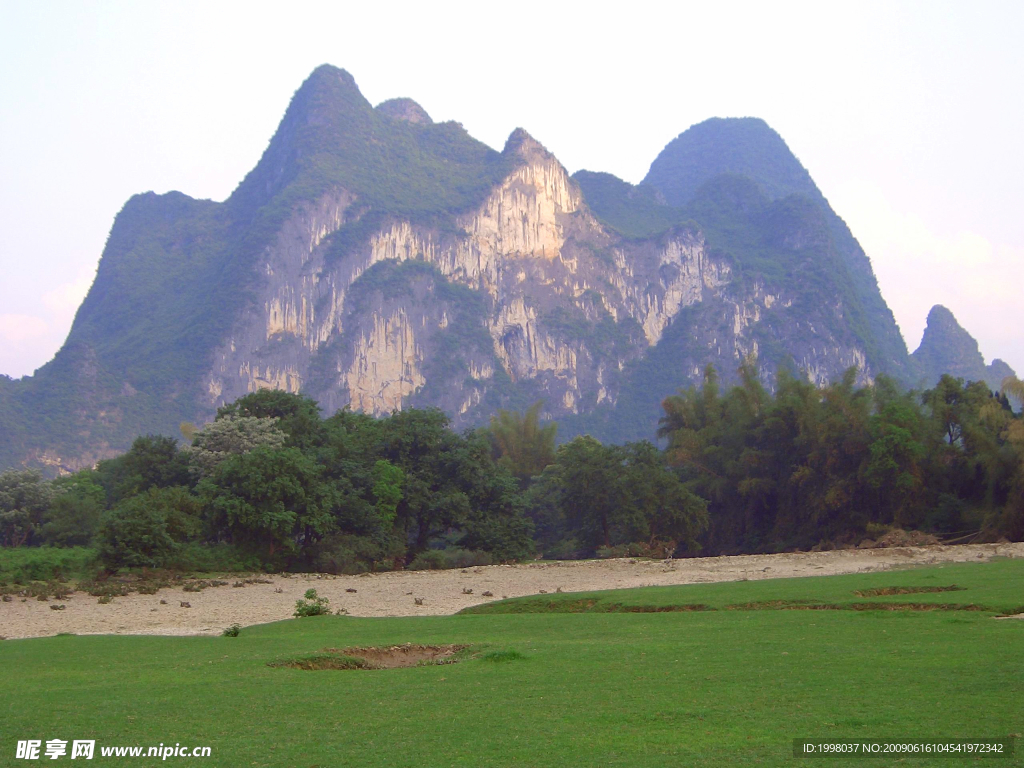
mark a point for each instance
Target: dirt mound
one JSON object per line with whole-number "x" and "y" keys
{"x": 407, "y": 655}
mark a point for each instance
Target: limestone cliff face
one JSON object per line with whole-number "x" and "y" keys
{"x": 562, "y": 306}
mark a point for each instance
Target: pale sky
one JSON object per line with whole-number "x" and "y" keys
{"x": 909, "y": 116}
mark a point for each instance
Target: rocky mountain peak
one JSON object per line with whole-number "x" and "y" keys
{"x": 941, "y": 321}
{"x": 947, "y": 348}
{"x": 404, "y": 109}
{"x": 745, "y": 146}
{"x": 522, "y": 144}
{"x": 329, "y": 86}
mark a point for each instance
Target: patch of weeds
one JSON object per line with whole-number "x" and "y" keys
{"x": 503, "y": 656}
{"x": 233, "y": 631}
{"x": 105, "y": 589}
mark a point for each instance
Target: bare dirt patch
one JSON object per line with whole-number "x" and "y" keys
{"x": 384, "y": 657}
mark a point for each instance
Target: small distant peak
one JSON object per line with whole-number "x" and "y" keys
{"x": 746, "y": 146}
{"x": 523, "y": 144}
{"x": 946, "y": 347}
{"x": 942, "y": 324}
{"x": 998, "y": 370}
{"x": 731, "y": 123}
{"x": 328, "y": 72}
{"x": 328, "y": 90}
{"x": 404, "y": 109}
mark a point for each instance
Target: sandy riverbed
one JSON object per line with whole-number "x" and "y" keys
{"x": 393, "y": 594}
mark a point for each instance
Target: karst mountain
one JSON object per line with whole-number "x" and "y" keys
{"x": 377, "y": 260}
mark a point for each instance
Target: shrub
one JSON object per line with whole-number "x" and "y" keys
{"x": 566, "y": 549}
{"x": 443, "y": 559}
{"x": 658, "y": 550}
{"x": 207, "y": 558}
{"x": 134, "y": 535}
{"x": 431, "y": 560}
{"x": 23, "y": 564}
{"x": 350, "y": 554}
{"x": 467, "y": 558}
{"x": 233, "y": 631}
{"x": 313, "y": 605}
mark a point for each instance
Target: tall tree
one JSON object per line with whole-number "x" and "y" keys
{"x": 520, "y": 442}
{"x": 24, "y": 499}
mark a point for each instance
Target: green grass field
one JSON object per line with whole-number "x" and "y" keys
{"x": 598, "y": 682}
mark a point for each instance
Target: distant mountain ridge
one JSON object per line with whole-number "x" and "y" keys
{"x": 375, "y": 259}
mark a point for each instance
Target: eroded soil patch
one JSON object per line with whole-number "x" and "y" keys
{"x": 583, "y": 605}
{"x": 380, "y": 657}
{"x": 886, "y": 591}
{"x": 802, "y": 605}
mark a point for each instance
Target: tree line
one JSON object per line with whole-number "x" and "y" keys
{"x": 271, "y": 484}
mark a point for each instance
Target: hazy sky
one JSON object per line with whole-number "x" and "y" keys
{"x": 909, "y": 116}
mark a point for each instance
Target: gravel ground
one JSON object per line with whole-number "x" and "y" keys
{"x": 441, "y": 592}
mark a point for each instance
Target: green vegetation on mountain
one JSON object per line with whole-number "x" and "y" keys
{"x": 636, "y": 212}
{"x": 744, "y": 146}
{"x": 332, "y": 137}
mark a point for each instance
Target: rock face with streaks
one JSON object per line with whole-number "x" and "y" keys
{"x": 377, "y": 260}
{"x": 542, "y": 295}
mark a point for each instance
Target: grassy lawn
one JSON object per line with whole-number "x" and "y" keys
{"x": 600, "y": 687}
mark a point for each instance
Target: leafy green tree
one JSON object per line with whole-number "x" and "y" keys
{"x": 596, "y": 504}
{"x": 521, "y": 444}
{"x": 669, "y": 511}
{"x": 147, "y": 530}
{"x": 451, "y": 485}
{"x": 895, "y": 467}
{"x": 231, "y": 435}
{"x": 297, "y": 416}
{"x": 75, "y": 513}
{"x": 270, "y": 500}
{"x": 609, "y": 495}
{"x": 134, "y": 534}
{"x": 24, "y": 499}
{"x": 153, "y": 461}
{"x": 387, "y": 490}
